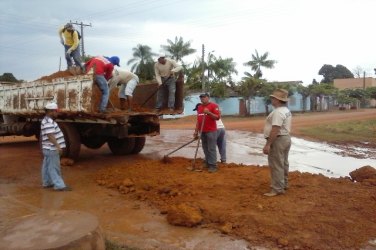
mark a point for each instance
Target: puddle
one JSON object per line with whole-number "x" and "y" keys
{"x": 246, "y": 147}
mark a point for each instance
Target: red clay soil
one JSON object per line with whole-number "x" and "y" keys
{"x": 315, "y": 213}
{"x": 58, "y": 74}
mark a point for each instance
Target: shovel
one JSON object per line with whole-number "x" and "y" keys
{"x": 165, "y": 157}
{"x": 156, "y": 91}
{"x": 193, "y": 168}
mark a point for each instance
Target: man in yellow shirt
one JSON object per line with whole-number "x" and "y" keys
{"x": 69, "y": 38}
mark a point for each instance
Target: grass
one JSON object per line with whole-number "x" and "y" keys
{"x": 354, "y": 131}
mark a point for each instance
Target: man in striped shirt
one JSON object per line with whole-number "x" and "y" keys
{"x": 52, "y": 146}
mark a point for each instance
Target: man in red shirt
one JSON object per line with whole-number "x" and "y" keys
{"x": 103, "y": 67}
{"x": 207, "y": 114}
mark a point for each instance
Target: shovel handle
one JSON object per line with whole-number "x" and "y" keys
{"x": 182, "y": 146}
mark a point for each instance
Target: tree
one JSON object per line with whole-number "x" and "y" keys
{"x": 321, "y": 90}
{"x": 258, "y": 62}
{"x": 248, "y": 88}
{"x": 142, "y": 62}
{"x": 178, "y": 49}
{"x": 8, "y": 77}
{"x": 330, "y": 73}
{"x": 371, "y": 92}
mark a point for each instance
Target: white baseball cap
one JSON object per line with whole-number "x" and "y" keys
{"x": 162, "y": 55}
{"x": 51, "y": 105}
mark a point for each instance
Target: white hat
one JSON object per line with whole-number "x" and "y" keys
{"x": 162, "y": 55}
{"x": 51, "y": 105}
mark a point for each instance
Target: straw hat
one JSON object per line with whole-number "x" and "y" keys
{"x": 280, "y": 94}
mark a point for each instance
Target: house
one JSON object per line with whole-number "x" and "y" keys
{"x": 355, "y": 83}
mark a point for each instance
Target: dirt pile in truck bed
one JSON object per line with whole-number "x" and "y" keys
{"x": 58, "y": 74}
{"x": 316, "y": 212}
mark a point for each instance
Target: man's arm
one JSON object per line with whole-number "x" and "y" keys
{"x": 214, "y": 113}
{"x": 176, "y": 67}
{"x": 61, "y": 35}
{"x": 157, "y": 74}
{"x": 75, "y": 42}
{"x": 53, "y": 140}
{"x": 272, "y": 136}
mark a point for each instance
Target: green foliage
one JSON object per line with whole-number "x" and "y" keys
{"x": 330, "y": 73}
{"x": 260, "y": 61}
{"x": 142, "y": 62}
{"x": 371, "y": 92}
{"x": 178, "y": 49}
{"x": 8, "y": 77}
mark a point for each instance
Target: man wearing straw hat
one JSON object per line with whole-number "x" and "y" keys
{"x": 278, "y": 142}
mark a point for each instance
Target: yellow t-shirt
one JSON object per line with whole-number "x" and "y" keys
{"x": 70, "y": 38}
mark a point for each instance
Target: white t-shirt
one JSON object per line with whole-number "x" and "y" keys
{"x": 220, "y": 124}
{"x": 281, "y": 117}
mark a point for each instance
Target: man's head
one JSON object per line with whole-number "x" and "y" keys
{"x": 162, "y": 58}
{"x": 115, "y": 60}
{"x": 204, "y": 98}
{"x": 69, "y": 27}
{"x": 279, "y": 96}
{"x": 195, "y": 109}
{"x": 51, "y": 109}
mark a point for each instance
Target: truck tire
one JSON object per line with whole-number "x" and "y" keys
{"x": 138, "y": 145}
{"x": 72, "y": 140}
{"x": 94, "y": 142}
{"x": 123, "y": 146}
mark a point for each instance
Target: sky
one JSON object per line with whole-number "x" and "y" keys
{"x": 301, "y": 35}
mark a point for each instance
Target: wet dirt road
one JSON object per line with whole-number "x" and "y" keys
{"x": 337, "y": 210}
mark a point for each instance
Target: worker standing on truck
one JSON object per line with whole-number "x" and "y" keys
{"x": 165, "y": 70}
{"x": 52, "y": 146}
{"x": 70, "y": 39}
{"x": 103, "y": 68}
{"x": 128, "y": 82}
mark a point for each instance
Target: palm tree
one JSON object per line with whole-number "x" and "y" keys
{"x": 142, "y": 62}
{"x": 178, "y": 49}
{"x": 258, "y": 62}
{"x": 248, "y": 88}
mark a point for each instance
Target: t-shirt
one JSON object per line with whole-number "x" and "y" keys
{"x": 165, "y": 70}
{"x": 220, "y": 124}
{"x": 122, "y": 77}
{"x": 210, "y": 124}
{"x": 49, "y": 126}
{"x": 102, "y": 66}
{"x": 281, "y": 117}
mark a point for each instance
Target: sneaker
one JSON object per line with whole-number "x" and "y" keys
{"x": 49, "y": 186}
{"x": 64, "y": 189}
{"x": 223, "y": 161}
{"x": 273, "y": 193}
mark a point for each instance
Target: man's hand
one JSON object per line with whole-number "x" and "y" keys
{"x": 206, "y": 111}
{"x": 195, "y": 135}
{"x": 266, "y": 149}
{"x": 69, "y": 52}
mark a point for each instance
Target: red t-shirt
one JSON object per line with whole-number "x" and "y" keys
{"x": 210, "y": 123}
{"x": 102, "y": 66}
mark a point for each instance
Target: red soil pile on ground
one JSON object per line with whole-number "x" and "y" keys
{"x": 316, "y": 212}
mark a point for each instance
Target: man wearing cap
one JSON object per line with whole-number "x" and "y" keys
{"x": 207, "y": 115}
{"x": 69, "y": 38}
{"x": 52, "y": 147}
{"x": 278, "y": 142}
{"x": 128, "y": 82}
{"x": 103, "y": 67}
{"x": 165, "y": 70}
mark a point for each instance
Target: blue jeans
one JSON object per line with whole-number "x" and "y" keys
{"x": 209, "y": 143}
{"x": 51, "y": 173}
{"x": 170, "y": 85}
{"x": 221, "y": 143}
{"x": 75, "y": 54}
{"x": 103, "y": 86}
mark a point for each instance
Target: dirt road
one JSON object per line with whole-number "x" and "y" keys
{"x": 133, "y": 196}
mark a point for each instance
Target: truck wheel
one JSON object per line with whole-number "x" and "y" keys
{"x": 72, "y": 140}
{"x": 94, "y": 142}
{"x": 123, "y": 146}
{"x": 138, "y": 145}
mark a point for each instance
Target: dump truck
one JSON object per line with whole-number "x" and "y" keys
{"x": 22, "y": 109}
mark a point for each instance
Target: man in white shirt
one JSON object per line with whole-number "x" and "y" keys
{"x": 165, "y": 70}
{"x": 52, "y": 146}
{"x": 128, "y": 82}
{"x": 278, "y": 142}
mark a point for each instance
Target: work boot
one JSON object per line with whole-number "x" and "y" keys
{"x": 273, "y": 193}
{"x": 122, "y": 103}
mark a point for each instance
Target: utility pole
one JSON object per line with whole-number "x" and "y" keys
{"x": 82, "y": 43}
{"x": 203, "y": 69}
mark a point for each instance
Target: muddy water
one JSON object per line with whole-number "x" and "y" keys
{"x": 246, "y": 147}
